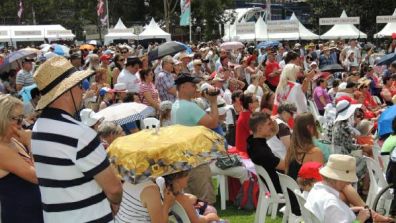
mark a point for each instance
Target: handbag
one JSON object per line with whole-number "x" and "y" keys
{"x": 228, "y": 161}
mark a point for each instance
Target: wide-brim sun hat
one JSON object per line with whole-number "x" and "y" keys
{"x": 55, "y": 77}
{"x": 340, "y": 167}
{"x": 345, "y": 110}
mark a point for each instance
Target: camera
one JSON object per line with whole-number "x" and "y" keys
{"x": 205, "y": 61}
{"x": 214, "y": 92}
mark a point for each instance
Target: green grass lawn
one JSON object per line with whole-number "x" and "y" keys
{"x": 234, "y": 215}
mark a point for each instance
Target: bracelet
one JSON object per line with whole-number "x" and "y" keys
{"x": 356, "y": 221}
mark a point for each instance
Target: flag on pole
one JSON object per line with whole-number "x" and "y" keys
{"x": 102, "y": 12}
{"x": 100, "y": 8}
{"x": 185, "y": 15}
{"x": 20, "y": 11}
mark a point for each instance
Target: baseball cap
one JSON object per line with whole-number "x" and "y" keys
{"x": 184, "y": 78}
{"x": 105, "y": 57}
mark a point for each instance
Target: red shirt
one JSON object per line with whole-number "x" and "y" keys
{"x": 271, "y": 67}
{"x": 242, "y": 131}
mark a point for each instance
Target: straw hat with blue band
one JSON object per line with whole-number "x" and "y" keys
{"x": 345, "y": 110}
{"x": 56, "y": 76}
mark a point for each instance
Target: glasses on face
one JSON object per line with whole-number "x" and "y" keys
{"x": 124, "y": 52}
{"x": 18, "y": 119}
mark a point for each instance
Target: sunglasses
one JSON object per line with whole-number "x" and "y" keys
{"x": 124, "y": 52}
{"x": 18, "y": 119}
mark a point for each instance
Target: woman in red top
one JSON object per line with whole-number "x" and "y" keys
{"x": 249, "y": 103}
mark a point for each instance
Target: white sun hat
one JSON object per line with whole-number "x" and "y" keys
{"x": 345, "y": 110}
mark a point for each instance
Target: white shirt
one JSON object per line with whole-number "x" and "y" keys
{"x": 325, "y": 203}
{"x": 296, "y": 96}
{"x": 131, "y": 80}
{"x": 256, "y": 90}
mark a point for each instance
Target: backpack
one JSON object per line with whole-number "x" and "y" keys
{"x": 247, "y": 197}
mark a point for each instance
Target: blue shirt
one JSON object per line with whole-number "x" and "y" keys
{"x": 186, "y": 113}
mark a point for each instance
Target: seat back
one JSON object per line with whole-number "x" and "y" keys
{"x": 180, "y": 212}
{"x": 267, "y": 187}
{"x": 377, "y": 179}
{"x": 307, "y": 215}
{"x": 151, "y": 123}
{"x": 286, "y": 183}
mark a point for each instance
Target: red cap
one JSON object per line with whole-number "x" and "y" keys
{"x": 105, "y": 57}
{"x": 310, "y": 170}
{"x": 393, "y": 35}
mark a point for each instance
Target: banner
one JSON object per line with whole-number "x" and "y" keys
{"x": 386, "y": 19}
{"x": 338, "y": 20}
{"x": 283, "y": 26}
{"x": 245, "y": 28}
{"x": 185, "y": 15}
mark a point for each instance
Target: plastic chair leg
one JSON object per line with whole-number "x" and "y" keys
{"x": 222, "y": 191}
{"x": 262, "y": 208}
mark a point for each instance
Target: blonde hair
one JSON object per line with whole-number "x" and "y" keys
{"x": 7, "y": 105}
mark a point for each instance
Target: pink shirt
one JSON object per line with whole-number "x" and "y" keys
{"x": 148, "y": 87}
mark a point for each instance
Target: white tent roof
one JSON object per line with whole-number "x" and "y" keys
{"x": 153, "y": 31}
{"x": 119, "y": 31}
{"x": 388, "y": 29}
{"x": 303, "y": 33}
{"x": 346, "y": 31}
{"x": 34, "y": 33}
{"x": 261, "y": 33}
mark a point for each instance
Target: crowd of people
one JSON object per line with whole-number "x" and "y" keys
{"x": 277, "y": 106}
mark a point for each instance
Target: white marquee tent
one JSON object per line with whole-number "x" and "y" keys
{"x": 388, "y": 29}
{"x": 346, "y": 31}
{"x": 153, "y": 31}
{"x": 304, "y": 33}
{"x": 120, "y": 31}
{"x": 261, "y": 32}
{"x": 14, "y": 34}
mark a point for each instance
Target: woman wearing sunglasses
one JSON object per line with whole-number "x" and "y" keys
{"x": 19, "y": 193}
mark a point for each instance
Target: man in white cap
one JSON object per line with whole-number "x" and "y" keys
{"x": 76, "y": 181}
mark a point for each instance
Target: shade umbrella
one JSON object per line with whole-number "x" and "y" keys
{"x": 124, "y": 113}
{"x": 385, "y": 120}
{"x": 268, "y": 44}
{"x": 60, "y": 50}
{"x": 25, "y": 93}
{"x": 168, "y": 48}
{"x": 88, "y": 47}
{"x": 232, "y": 45}
{"x": 188, "y": 49}
{"x": 387, "y": 59}
{"x": 17, "y": 56}
{"x": 149, "y": 154}
{"x": 333, "y": 68}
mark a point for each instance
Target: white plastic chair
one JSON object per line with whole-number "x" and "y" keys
{"x": 307, "y": 215}
{"x": 287, "y": 182}
{"x": 179, "y": 210}
{"x": 377, "y": 180}
{"x": 223, "y": 186}
{"x": 314, "y": 110}
{"x": 151, "y": 123}
{"x": 267, "y": 196}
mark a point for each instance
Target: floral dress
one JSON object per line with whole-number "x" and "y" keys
{"x": 343, "y": 141}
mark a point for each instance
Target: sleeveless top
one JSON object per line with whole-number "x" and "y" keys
{"x": 294, "y": 167}
{"x": 20, "y": 199}
{"x": 131, "y": 208}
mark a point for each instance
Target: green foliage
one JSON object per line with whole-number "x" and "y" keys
{"x": 367, "y": 10}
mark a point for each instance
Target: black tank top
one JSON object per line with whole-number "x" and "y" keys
{"x": 20, "y": 200}
{"x": 294, "y": 167}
